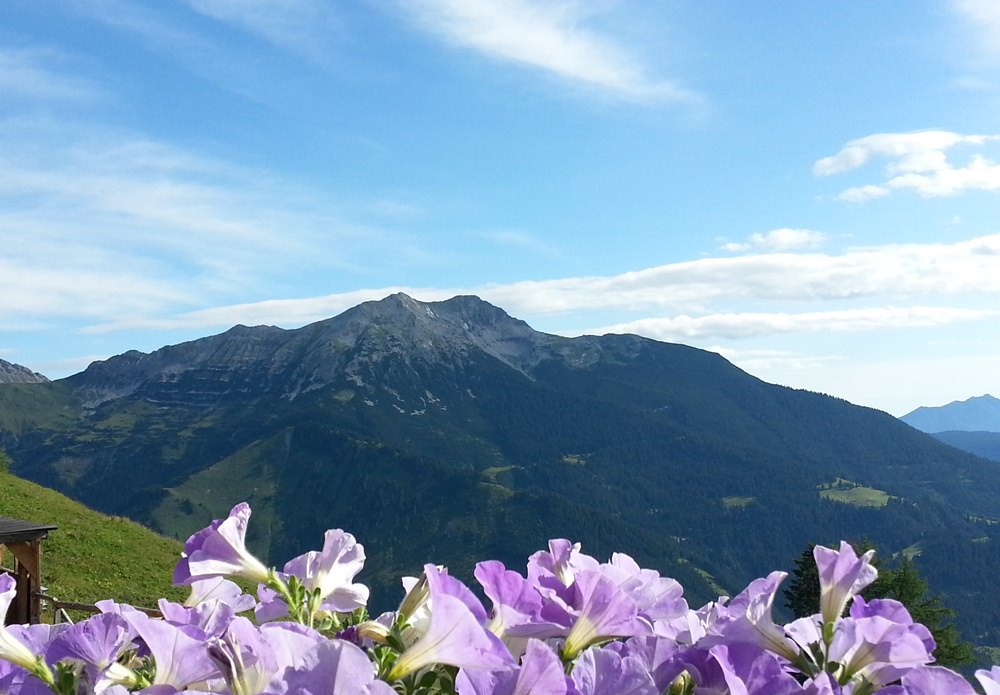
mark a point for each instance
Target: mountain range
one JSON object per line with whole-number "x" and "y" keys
{"x": 451, "y": 432}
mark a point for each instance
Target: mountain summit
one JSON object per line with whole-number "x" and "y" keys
{"x": 979, "y": 414}
{"x": 451, "y": 431}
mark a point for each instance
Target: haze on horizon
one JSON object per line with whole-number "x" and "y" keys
{"x": 809, "y": 190}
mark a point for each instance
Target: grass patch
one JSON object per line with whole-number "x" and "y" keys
{"x": 859, "y": 496}
{"x": 710, "y": 580}
{"x": 493, "y": 471}
{"x": 92, "y": 556}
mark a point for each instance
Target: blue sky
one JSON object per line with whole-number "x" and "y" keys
{"x": 810, "y": 189}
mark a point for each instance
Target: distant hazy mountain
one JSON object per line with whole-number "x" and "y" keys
{"x": 980, "y": 414}
{"x": 451, "y": 432}
{"x": 985, "y": 444}
{"x": 16, "y": 374}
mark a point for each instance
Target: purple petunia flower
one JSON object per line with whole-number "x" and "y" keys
{"x": 517, "y": 606}
{"x": 11, "y": 648}
{"x": 877, "y": 649}
{"x": 455, "y": 634}
{"x": 747, "y": 619}
{"x": 562, "y": 562}
{"x": 220, "y": 589}
{"x": 332, "y": 571}
{"x": 96, "y": 643}
{"x": 990, "y": 680}
{"x": 330, "y": 667}
{"x": 605, "y": 672}
{"x": 605, "y": 612}
{"x": 842, "y": 576}
{"x": 181, "y": 657}
{"x": 657, "y": 598}
{"x": 747, "y": 668}
{"x": 931, "y": 680}
{"x": 540, "y": 673}
{"x": 220, "y": 550}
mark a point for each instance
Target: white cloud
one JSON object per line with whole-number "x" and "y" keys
{"x": 861, "y": 194}
{"x": 549, "y": 36}
{"x": 782, "y": 239}
{"x": 980, "y": 174}
{"x": 733, "y": 326}
{"x": 905, "y": 270}
{"x": 901, "y": 146}
{"x": 917, "y": 161}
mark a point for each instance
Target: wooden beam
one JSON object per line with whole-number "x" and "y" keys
{"x": 27, "y": 605}
{"x": 29, "y": 555}
{"x": 19, "y": 610}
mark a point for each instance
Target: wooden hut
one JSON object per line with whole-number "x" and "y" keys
{"x": 24, "y": 541}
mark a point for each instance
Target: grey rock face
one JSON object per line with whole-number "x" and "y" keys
{"x": 348, "y": 347}
{"x": 11, "y": 373}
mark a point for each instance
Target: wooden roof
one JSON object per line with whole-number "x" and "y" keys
{"x": 14, "y": 531}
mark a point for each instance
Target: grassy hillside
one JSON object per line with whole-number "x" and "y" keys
{"x": 92, "y": 556}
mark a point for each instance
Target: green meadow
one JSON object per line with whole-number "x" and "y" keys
{"x": 92, "y": 556}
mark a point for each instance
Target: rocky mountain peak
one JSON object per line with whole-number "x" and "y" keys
{"x": 11, "y": 373}
{"x": 259, "y": 359}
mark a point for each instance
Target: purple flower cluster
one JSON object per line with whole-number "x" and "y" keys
{"x": 570, "y": 625}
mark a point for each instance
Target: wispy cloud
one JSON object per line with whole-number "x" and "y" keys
{"x": 111, "y": 225}
{"x": 548, "y": 36}
{"x": 521, "y": 240}
{"x": 916, "y": 161}
{"x": 36, "y": 74}
{"x": 280, "y": 312}
{"x": 756, "y": 360}
{"x": 306, "y": 27}
{"x": 782, "y": 239}
{"x": 239, "y": 67}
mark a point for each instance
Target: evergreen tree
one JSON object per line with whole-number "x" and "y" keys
{"x": 902, "y": 583}
{"x": 802, "y": 585}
